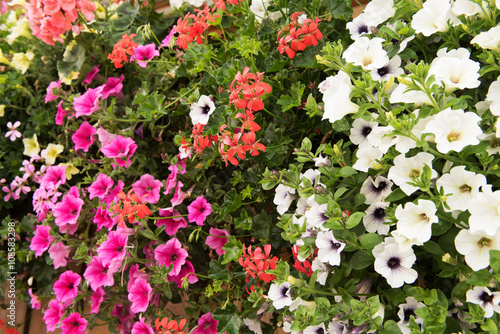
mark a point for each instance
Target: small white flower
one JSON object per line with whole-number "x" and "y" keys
{"x": 415, "y": 221}
{"x": 462, "y": 185}
{"x": 281, "y": 295}
{"x": 317, "y": 329}
{"x": 201, "y": 110}
{"x": 407, "y": 169}
{"x": 401, "y": 95}
{"x": 367, "y": 158}
{"x": 376, "y": 191}
{"x": 433, "y": 17}
{"x": 395, "y": 263}
{"x": 493, "y": 96}
{"x": 283, "y": 198}
{"x": 485, "y": 211}
{"x": 304, "y": 204}
{"x": 336, "y": 96}
{"x": 470, "y": 8}
{"x": 476, "y": 247}
{"x": 259, "y": 8}
{"x": 253, "y": 325}
{"x": 316, "y": 216}
{"x": 361, "y": 25}
{"x": 300, "y": 301}
{"x": 380, "y": 10}
{"x": 322, "y": 270}
{"x": 375, "y": 218}
{"x": 406, "y": 311}
{"x": 367, "y": 53}
{"x": 483, "y": 297}
{"x": 360, "y": 130}
{"x": 391, "y": 68}
{"x": 488, "y": 39}
{"x": 321, "y": 161}
{"x": 329, "y": 248}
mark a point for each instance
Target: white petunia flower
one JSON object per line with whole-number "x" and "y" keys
{"x": 434, "y": 17}
{"x": 404, "y": 242}
{"x": 283, "y": 198}
{"x": 455, "y": 69}
{"x": 367, "y": 53}
{"x": 281, "y": 295}
{"x": 485, "y": 211}
{"x": 462, "y": 185}
{"x": 391, "y": 68}
{"x": 407, "y": 169}
{"x": 401, "y": 95}
{"x": 454, "y": 129}
{"x": 380, "y": 10}
{"x": 313, "y": 175}
{"x": 329, "y": 248}
{"x": 367, "y": 158}
{"x": 316, "y": 216}
{"x": 415, "y": 220}
{"x": 395, "y": 263}
{"x": 259, "y": 8}
{"x": 376, "y": 190}
{"x": 201, "y": 110}
{"x": 470, "y": 8}
{"x": 488, "y": 39}
{"x": 494, "y": 147}
{"x": 304, "y": 204}
{"x": 336, "y": 96}
{"x": 317, "y": 329}
{"x": 493, "y": 96}
{"x": 406, "y": 311}
{"x": 361, "y": 25}
{"x": 299, "y": 301}
{"x": 322, "y": 270}
{"x": 476, "y": 247}
{"x": 483, "y": 297}
{"x": 253, "y": 324}
{"x": 321, "y": 161}
{"x": 375, "y": 218}
{"x": 360, "y": 131}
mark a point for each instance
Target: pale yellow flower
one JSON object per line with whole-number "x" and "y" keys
{"x": 70, "y": 170}
{"x": 31, "y": 146}
{"x": 100, "y": 12}
{"x": 72, "y": 76}
{"x": 51, "y": 153}
{"x": 22, "y": 61}
{"x": 3, "y": 60}
{"x": 11, "y": 18}
{"x": 20, "y": 29}
{"x": 2, "y": 110}
{"x": 17, "y": 2}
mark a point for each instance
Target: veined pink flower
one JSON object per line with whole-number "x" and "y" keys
{"x": 113, "y": 87}
{"x": 140, "y": 294}
{"x": 187, "y": 269}
{"x": 120, "y": 148}
{"x": 96, "y": 299}
{"x": 50, "y": 91}
{"x": 206, "y": 325}
{"x": 171, "y": 224}
{"x": 102, "y": 218}
{"x": 171, "y": 179}
{"x": 84, "y": 136}
{"x": 87, "y": 103}
{"x": 199, "y": 210}
{"x": 93, "y": 74}
{"x": 59, "y": 252}
{"x": 53, "y": 314}
{"x": 166, "y": 41}
{"x": 134, "y": 273}
{"x": 179, "y": 195}
{"x": 61, "y": 113}
{"x": 112, "y": 194}
{"x": 68, "y": 210}
{"x": 148, "y": 189}
{"x": 105, "y": 137}
{"x": 100, "y": 187}
{"x": 140, "y": 327}
{"x": 171, "y": 253}
{"x": 113, "y": 248}
{"x": 74, "y": 324}
{"x": 217, "y": 240}
{"x": 55, "y": 175}
{"x": 99, "y": 274}
{"x": 66, "y": 287}
{"x": 42, "y": 240}
{"x": 143, "y": 54}
{"x": 35, "y": 302}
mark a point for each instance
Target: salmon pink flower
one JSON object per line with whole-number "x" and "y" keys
{"x": 53, "y": 315}
{"x": 68, "y": 210}
{"x": 148, "y": 189}
{"x": 59, "y": 252}
{"x": 84, "y": 136}
{"x": 55, "y": 175}
{"x": 171, "y": 253}
{"x": 140, "y": 294}
{"x": 206, "y": 325}
{"x": 144, "y": 53}
{"x": 199, "y": 210}
{"x": 74, "y": 324}
{"x": 87, "y": 103}
{"x": 114, "y": 248}
{"x": 66, "y": 287}
{"x": 171, "y": 224}
{"x": 217, "y": 239}
{"x": 42, "y": 240}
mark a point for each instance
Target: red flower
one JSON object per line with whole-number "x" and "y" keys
{"x": 122, "y": 49}
{"x": 256, "y": 263}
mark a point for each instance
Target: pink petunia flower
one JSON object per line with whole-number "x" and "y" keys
{"x": 148, "y": 189}
{"x": 113, "y": 87}
{"x": 166, "y": 41}
{"x": 206, "y": 325}
{"x": 187, "y": 269}
{"x": 97, "y": 298}
{"x": 100, "y": 187}
{"x": 66, "y": 287}
{"x": 171, "y": 179}
{"x": 199, "y": 210}
{"x": 179, "y": 195}
{"x": 53, "y": 315}
{"x": 74, "y": 324}
{"x": 112, "y": 194}
{"x": 41, "y": 240}
{"x": 13, "y": 133}
{"x": 100, "y": 274}
{"x": 36, "y": 304}
{"x": 140, "y": 294}
{"x": 217, "y": 240}
{"x": 122, "y": 312}
{"x": 102, "y": 218}
{"x": 55, "y": 175}
{"x": 171, "y": 253}
{"x": 93, "y": 74}
{"x": 143, "y": 54}
{"x": 68, "y": 210}
{"x": 87, "y": 103}
{"x": 105, "y": 137}
{"x": 171, "y": 224}
{"x": 61, "y": 113}
{"x": 84, "y": 136}
{"x": 134, "y": 274}
{"x": 120, "y": 148}
{"x": 140, "y": 327}
{"x": 50, "y": 91}
{"x": 113, "y": 248}
{"x": 59, "y": 252}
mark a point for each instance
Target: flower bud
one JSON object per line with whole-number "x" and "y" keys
{"x": 294, "y": 281}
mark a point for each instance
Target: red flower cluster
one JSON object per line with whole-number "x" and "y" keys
{"x": 296, "y": 36}
{"x": 191, "y": 27}
{"x": 220, "y": 4}
{"x": 303, "y": 267}
{"x": 170, "y": 327}
{"x": 8, "y": 330}
{"x": 122, "y": 49}
{"x": 256, "y": 263}
{"x": 132, "y": 207}
{"x": 247, "y": 89}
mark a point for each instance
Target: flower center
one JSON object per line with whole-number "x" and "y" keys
{"x": 484, "y": 242}
{"x": 207, "y": 325}
{"x": 149, "y": 189}
{"x": 205, "y": 110}
{"x": 379, "y": 213}
{"x": 453, "y": 136}
{"x": 408, "y": 313}
{"x": 486, "y": 298}
{"x": 414, "y": 173}
{"x": 423, "y": 216}
{"x": 335, "y": 245}
{"x": 393, "y": 263}
{"x": 73, "y": 212}
{"x": 465, "y": 188}
{"x": 383, "y": 71}
{"x": 366, "y": 131}
{"x": 173, "y": 257}
{"x": 362, "y": 29}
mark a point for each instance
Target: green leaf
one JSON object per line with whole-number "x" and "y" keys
{"x": 347, "y": 171}
{"x": 311, "y": 106}
{"x": 262, "y": 225}
{"x": 354, "y": 219}
{"x": 361, "y": 260}
{"x": 151, "y": 105}
{"x": 243, "y": 221}
{"x": 288, "y": 102}
{"x": 433, "y": 248}
{"x": 339, "y": 8}
{"x": 480, "y": 278}
{"x": 396, "y": 195}
{"x": 218, "y": 271}
{"x": 229, "y": 320}
{"x": 246, "y": 46}
{"x": 277, "y": 65}
{"x": 495, "y": 260}
{"x": 233, "y": 248}
{"x": 370, "y": 240}
{"x": 490, "y": 326}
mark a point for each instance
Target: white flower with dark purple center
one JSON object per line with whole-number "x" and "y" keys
{"x": 201, "y": 111}
{"x": 376, "y": 190}
{"x": 281, "y": 295}
{"x": 375, "y": 218}
{"x": 367, "y": 53}
{"x": 406, "y": 311}
{"x": 329, "y": 248}
{"x": 283, "y": 198}
{"x": 316, "y": 216}
{"x": 483, "y": 297}
{"x": 394, "y": 263}
{"x": 461, "y": 187}
{"x": 415, "y": 220}
{"x": 407, "y": 169}
{"x": 389, "y": 69}
{"x": 317, "y": 329}
{"x": 361, "y": 25}
{"x": 476, "y": 247}
{"x": 360, "y": 130}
